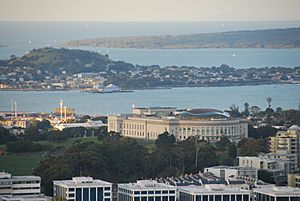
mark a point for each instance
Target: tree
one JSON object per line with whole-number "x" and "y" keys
{"x": 43, "y": 125}
{"x": 231, "y": 151}
{"x": 222, "y": 143}
{"x": 246, "y": 110}
{"x": 165, "y": 139}
{"x": 269, "y": 100}
{"x": 5, "y": 136}
{"x": 265, "y": 176}
{"x": 255, "y": 110}
{"x": 234, "y": 111}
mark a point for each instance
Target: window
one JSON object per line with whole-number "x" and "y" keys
{"x": 217, "y": 197}
{"x": 136, "y": 198}
{"x": 137, "y": 192}
{"x": 172, "y": 192}
{"x": 205, "y": 198}
{"x": 165, "y": 198}
{"x": 85, "y": 194}
{"x": 198, "y": 197}
{"x": 71, "y": 189}
{"x": 226, "y": 198}
{"x": 78, "y": 194}
{"x": 157, "y": 192}
{"x": 172, "y": 198}
{"x": 245, "y": 197}
{"x": 157, "y": 198}
{"x": 151, "y": 198}
{"x": 106, "y": 194}
{"x": 107, "y": 188}
{"x": 100, "y": 194}
{"x": 144, "y": 192}
{"x": 150, "y": 192}
{"x": 144, "y": 198}
{"x": 239, "y": 198}
{"x": 232, "y": 197}
{"x": 93, "y": 194}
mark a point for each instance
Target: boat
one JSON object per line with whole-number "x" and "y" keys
{"x": 110, "y": 88}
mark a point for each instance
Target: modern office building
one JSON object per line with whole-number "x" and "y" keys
{"x": 294, "y": 180}
{"x": 146, "y": 190}
{"x": 24, "y": 198}
{"x": 206, "y": 124}
{"x": 286, "y": 146}
{"x": 276, "y": 193}
{"x": 227, "y": 172}
{"x": 82, "y": 189}
{"x": 213, "y": 193}
{"x": 19, "y": 185}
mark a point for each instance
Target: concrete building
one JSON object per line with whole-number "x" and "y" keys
{"x": 277, "y": 168}
{"x": 294, "y": 180}
{"x": 213, "y": 193}
{"x": 206, "y": 124}
{"x": 146, "y": 190}
{"x": 277, "y": 193}
{"x": 83, "y": 189}
{"x": 286, "y": 146}
{"x": 19, "y": 185}
{"x": 24, "y": 198}
{"x": 227, "y": 172}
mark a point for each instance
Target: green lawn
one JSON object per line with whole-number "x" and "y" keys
{"x": 24, "y": 163}
{"x": 68, "y": 143}
{"x": 20, "y": 164}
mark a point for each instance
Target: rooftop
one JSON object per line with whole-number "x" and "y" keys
{"x": 81, "y": 181}
{"x": 278, "y": 190}
{"x": 213, "y": 188}
{"x": 146, "y": 184}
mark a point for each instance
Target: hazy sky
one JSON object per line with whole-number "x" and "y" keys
{"x": 149, "y": 10}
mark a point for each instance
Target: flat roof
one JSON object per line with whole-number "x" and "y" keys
{"x": 278, "y": 191}
{"x": 213, "y": 189}
{"x": 232, "y": 167}
{"x": 146, "y": 184}
{"x": 81, "y": 181}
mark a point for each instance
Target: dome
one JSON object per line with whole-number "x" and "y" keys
{"x": 294, "y": 127}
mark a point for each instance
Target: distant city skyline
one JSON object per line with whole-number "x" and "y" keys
{"x": 143, "y": 10}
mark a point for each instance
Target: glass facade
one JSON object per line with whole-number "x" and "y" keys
{"x": 93, "y": 194}
{"x": 100, "y": 194}
{"x": 78, "y": 194}
{"x": 85, "y": 194}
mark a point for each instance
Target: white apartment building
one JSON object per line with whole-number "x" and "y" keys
{"x": 227, "y": 172}
{"x": 286, "y": 146}
{"x": 19, "y": 185}
{"x": 213, "y": 192}
{"x": 276, "y": 193}
{"x": 206, "y": 124}
{"x": 82, "y": 189}
{"x": 146, "y": 190}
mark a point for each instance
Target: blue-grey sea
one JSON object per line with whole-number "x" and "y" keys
{"x": 285, "y": 96}
{"x": 19, "y": 37}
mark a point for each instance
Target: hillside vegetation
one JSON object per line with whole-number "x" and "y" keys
{"x": 271, "y": 38}
{"x": 72, "y": 61}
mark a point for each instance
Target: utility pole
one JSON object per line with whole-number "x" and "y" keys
{"x": 61, "y": 109}
{"x": 16, "y": 109}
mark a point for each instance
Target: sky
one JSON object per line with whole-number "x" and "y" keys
{"x": 149, "y": 10}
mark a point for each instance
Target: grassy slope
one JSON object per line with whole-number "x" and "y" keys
{"x": 24, "y": 163}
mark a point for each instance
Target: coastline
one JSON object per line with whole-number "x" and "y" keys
{"x": 130, "y": 90}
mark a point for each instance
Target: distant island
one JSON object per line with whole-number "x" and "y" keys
{"x": 67, "y": 69}
{"x": 270, "y": 38}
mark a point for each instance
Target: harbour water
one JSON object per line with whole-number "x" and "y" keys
{"x": 17, "y": 38}
{"x": 285, "y": 96}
